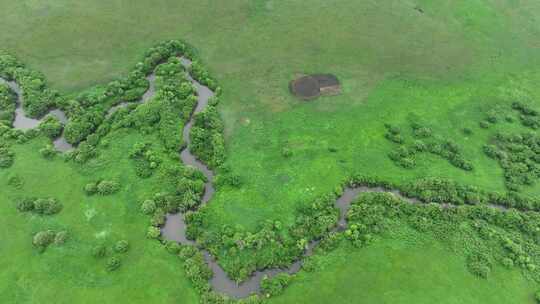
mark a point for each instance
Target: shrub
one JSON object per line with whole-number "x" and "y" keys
{"x": 148, "y": 207}
{"x": 43, "y": 239}
{"x": 51, "y": 126}
{"x": 121, "y": 246}
{"x": 113, "y": 264}
{"x": 107, "y": 187}
{"x": 90, "y": 188}
{"x": 16, "y": 181}
{"x": 26, "y": 204}
{"x": 7, "y": 157}
{"x": 275, "y": 286}
{"x": 48, "y": 206}
{"x": 153, "y": 232}
{"x": 48, "y": 151}
{"x": 537, "y": 296}
{"x": 61, "y": 237}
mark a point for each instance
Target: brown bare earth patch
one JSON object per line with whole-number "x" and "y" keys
{"x": 312, "y": 86}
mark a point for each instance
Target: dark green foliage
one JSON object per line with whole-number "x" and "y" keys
{"x": 8, "y": 103}
{"x": 146, "y": 161}
{"x": 16, "y": 181}
{"x": 148, "y": 207}
{"x": 153, "y": 232}
{"x": 404, "y": 154}
{"x": 207, "y": 141}
{"x": 61, "y": 237}
{"x": 48, "y": 152}
{"x": 199, "y": 73}
{"x": 7, "y": 157}
{"x": 275, "y": 285}
{"x": 48, "y": 206}
{"x": 42, "y": 206}
{"x": 196, "y": 268}
{"x": 106, "y": 187}
{"x": 43, "y": 239}
{"x": 479, "y": 264}
{"x": 113, "y": 264}
{"x": 25, "y": 204}
{"x": 518, "y": 155}
{"x": 529, "y": 117}
{"x": 102, "y": 187}
{"x": 121, "y": 246}
{"x": 51, "y": 126}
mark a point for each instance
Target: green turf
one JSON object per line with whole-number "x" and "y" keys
{"x": 446, "y": 65}
{"x": 69, "y": 273}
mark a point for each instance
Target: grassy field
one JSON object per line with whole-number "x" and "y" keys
{"x": 447, "y": 65}
{"x": 69, "y": 273}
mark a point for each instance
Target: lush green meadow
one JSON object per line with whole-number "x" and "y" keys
{"x": 69, "y": 273}
{"x": 445, "y": 65}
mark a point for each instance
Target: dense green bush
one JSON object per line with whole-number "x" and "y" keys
{"x": 275, "y": 285}
{"x": 7, "y": 157}
{"x": 51, "y": 126}
{"x": 146, "y": 160}
{"x": 113, "y": 264}
{"x": 404, "y": 154}
{"x": 207, "y": 141}
{"x": 43, "y": 239}
{"x": 519, "y": 156}
{"x": 43, "y": 206}
{"x": 61, "y": 237}
{"x": 106, "y": 187}
{"x": 8, "y": 104}
{"x": 48, "y": 152}
{"x": 121, "y": 246}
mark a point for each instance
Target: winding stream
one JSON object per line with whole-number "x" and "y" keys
{"x": 23, "y": 122}
{"x": 175, "y": 226}
{"x": 149, "y": 94}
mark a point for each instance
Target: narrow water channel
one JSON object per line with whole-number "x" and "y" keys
{"x": 175, "y": 226}
{"x": 23, "y": 122}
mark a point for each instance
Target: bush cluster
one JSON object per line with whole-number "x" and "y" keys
{"x": 207, "y": 141}
{"x": 424, "y": 142}
{"x": 43, "y": 239}
{"x": 51, "y": 126}
{"x": 8, "y": 104}
{"x": 48, "y": 152}
{"x": 102, "y": 187}
{"x": 7, "y": 157}
{"x": 275, "y": 285}
{"x": 529, "y": 117}
{"x": 146, "y": 160}
{"x": 43, "y": 206}
{"x": 518, "y": 155}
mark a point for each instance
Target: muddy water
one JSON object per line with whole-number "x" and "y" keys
{"x": 23, "y": 122}
{"x": 175, "y": 226}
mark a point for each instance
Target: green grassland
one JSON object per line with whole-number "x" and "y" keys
{"x": 446, "y": 65}
{"x": 69, "y": 273}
